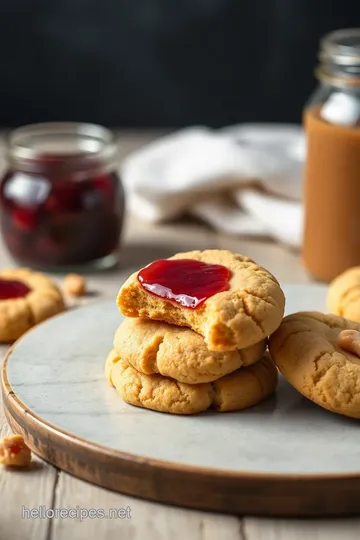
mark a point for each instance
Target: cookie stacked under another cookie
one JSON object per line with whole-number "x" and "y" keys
{"x": 174, "y": 358}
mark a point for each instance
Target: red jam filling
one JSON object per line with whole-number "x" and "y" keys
{"x": 10, "y": 288}
{"x": 184, "y": 281}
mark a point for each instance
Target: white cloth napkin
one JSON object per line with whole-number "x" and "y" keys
{"x": 243, "y": 180}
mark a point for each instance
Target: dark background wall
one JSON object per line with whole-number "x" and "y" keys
{"x": 162, "y": 62}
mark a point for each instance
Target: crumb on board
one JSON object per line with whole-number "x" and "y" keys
{"x": 74, "y": 284}
{"x": 14, "y": 452}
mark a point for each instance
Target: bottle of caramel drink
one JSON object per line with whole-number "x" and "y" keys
{"x": 332, "y": 173}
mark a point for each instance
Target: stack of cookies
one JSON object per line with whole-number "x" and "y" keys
{"x": 196, "y": 334}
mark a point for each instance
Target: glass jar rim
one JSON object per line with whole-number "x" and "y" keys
{"x": 326, "y": 76}
{"x": 341, "y": 47}
{"x": 84, "y": 145}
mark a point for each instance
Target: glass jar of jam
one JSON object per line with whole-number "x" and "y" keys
{"x": 61, "y": 199}
{"x": 332, "y": 173}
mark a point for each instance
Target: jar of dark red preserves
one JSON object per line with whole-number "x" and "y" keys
{"x": 61, "y": 199}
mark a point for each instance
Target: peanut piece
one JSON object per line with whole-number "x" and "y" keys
{"x": 74, "y": 284}
{"x": 350, "y": 341}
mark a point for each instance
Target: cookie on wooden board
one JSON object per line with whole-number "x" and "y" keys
{"x": 343, "y": 296}
{"x": 320, "y": 356}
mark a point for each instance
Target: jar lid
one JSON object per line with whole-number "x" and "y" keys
{"x": 341, "y": 47}
{"x": 82, "y": 145}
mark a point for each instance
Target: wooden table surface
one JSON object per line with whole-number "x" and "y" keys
{"x": 46, "y": 486}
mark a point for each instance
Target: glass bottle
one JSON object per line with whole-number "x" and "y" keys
{"x": 332, "y": 173}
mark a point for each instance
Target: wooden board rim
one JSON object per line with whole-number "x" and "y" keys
{"x": 191, "y": 486}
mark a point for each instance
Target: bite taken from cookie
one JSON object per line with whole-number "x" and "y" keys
{"x": 320, "y": 356}
{"x": 26, "y": 299}
{"x": 226, "y": 297}
{"x": 239, "y": 390}
{"x": 178, "y": 352}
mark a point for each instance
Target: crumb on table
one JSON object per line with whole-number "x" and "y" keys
{"x": 14, "y": 452}
{"x": 74, "y": 284}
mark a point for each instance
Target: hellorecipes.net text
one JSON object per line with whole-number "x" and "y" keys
{"x": 42, "y": 512}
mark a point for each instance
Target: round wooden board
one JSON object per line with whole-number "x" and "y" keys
{"x": 284, "y": 457}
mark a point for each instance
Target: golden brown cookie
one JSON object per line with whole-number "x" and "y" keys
{"x": 111, "y": 360}
{"x": 344, "y": 294}
{"x": 41, "y": 300}
{"x": 245, "y": 314}
{"x": 239, "y": 390}
{"x": 318, "y": 358}
{"x": 178, "y": 352}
